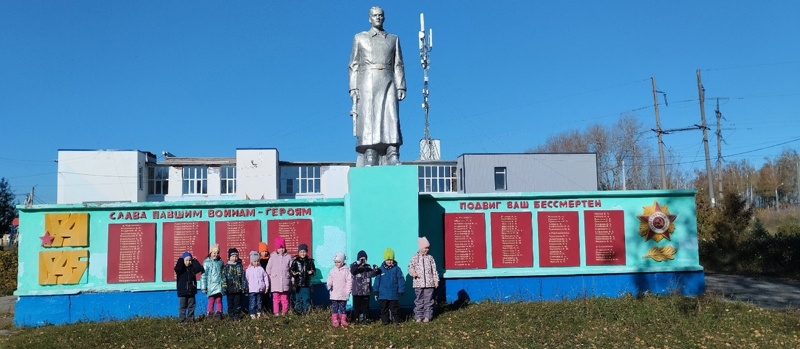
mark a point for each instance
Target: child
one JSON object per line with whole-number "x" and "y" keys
{"x": 258, "y": 283}
{"x": 211, "y": 282}
{"x": 278, "y": 270}
{"x": 362, "y": 285}
{"x": 302, "y": 270}
{"x": 340, "y": 282}
{"x": 234, "y": 283}
{"x": 185, "y": 270}
{"x": 390, "y": 285}
{"x": 266, "y": 299}
{"x": 422, "y": 268}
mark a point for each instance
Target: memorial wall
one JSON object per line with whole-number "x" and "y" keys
{"x": 70, "y": 249}
{"x": 564, "y": 233}
{"x": 114, "y": 261}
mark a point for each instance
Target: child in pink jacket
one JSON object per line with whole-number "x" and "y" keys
{"x": 340, "y": 283}
{"x": 279, "y": 277}
{"x": 257, "y": 283}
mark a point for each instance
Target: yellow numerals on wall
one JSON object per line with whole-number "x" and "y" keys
{"x": 62, "y": 267}
{"x": 67, "y": 229}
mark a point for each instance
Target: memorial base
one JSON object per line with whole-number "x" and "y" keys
{"x": 553, "y": 288}
{"x": 108, "y": 306}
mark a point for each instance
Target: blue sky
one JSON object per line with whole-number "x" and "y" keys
{"x": 202, "y": 78}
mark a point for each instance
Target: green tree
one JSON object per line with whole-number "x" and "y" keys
{"x": 8, "y": 209}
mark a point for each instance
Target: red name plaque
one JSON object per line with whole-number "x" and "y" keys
{"x": 294, "y": 231}
{"x": 464, "y": 241}
{"x": 242, "y": 235}
{"x": 178, "y": 238}
{"x": 512, "y": 239}
{"x": 605, "y": 237}
{"x": 559, "y": 240}
{"x": 131, "y": 253}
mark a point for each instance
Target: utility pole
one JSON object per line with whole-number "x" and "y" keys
{"x": 701, "y": 91}
{"x": 719, "y": 153}
{"x": 660, "y": 141}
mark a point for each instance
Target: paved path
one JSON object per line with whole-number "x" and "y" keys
{"x": 765, "y": 293}
{"x": 7, "y": 304}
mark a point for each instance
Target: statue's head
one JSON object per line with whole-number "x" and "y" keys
{"x": 376, "y": 17}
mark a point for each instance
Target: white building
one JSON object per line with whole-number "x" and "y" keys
{"x": 137, "y": 176}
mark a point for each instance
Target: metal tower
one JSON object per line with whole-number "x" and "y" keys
{"x": 428, "y": 148}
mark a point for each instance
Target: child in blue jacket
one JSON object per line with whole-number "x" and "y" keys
{"x": 389, "y": 287}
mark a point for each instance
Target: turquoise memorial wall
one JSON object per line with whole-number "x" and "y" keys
{"x": 511, "y": 246}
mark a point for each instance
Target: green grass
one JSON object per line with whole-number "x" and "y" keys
{"x": 651, "y": 321}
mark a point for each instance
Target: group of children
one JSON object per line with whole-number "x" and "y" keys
{"x": 280, "y": 272}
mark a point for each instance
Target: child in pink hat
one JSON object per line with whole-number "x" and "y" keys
{"x": 279, "y": 277}
{"x": 422, "y": 268}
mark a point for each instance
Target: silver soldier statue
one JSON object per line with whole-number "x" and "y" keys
{"x": 377, "y": 84}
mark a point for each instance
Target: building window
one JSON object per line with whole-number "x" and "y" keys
{"x": 195, "y": 180}
{"x": 300, "y": 180}
{"x": 141, "y": 180}
{"x": 227, "y": 177}
{"x": 437, "y": 179}
{"x": 500, "y": 178}
{"x": 157, "y": 180}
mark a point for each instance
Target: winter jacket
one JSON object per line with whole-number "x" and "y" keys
{"x": 302, "y": 266}
{"x": 186, "y": 277}
{"x": 211, "y": 280}
{"x": 278, "y": 271}
{"x": 257, "y": 279}
{"x": 362, "y": 278}
{"x": 390, "y": 284}
{"x": 340, "y": 282}
{"x": 234, "y": 279}
{"x": 425, "y": 267}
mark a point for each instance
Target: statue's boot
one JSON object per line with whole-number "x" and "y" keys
{"x": 392, "y": 155}
{"x": 371, "y": 157}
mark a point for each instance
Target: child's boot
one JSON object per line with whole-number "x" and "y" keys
{"x": 258, "y": 315}
{"x": 343, "y": 319}
{"x": 219, "y": 315}
{"x": 253, "y": 316}
{"x": 335, "y": 320}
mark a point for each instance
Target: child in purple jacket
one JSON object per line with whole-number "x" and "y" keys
{"x": 257, "y": 283}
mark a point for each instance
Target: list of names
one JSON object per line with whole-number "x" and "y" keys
{"x": 180, "y": 237}
{"x": 131, "y": 252}
{"x": 465, "y": 240}
{"x": 559, "y": 244}
{"x": 605, "y": 237}
{"x": 242, "y": 235}
{"x": 511, "y": 239}
{"x": 293, "y": 231}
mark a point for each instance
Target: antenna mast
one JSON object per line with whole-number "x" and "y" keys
{"x": 428, "y": 148}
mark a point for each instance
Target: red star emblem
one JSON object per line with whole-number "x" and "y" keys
{"x": 656, "y": 222}
{"x": 47, "y": 239}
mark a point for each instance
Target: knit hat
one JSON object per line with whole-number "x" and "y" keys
{"x": 186, "y": 254}
{"x": 423, "y": 242}
{"x": 302, "y": 247}
{"x": 280, "y": 243}
{"x": 388, "y": 254}
{"x": 262, "y": 247}
{"x": 232, "y": 251}
{"x": 339, "y": 256}
{"x": 253, "y": 256}
{"x": 214, "y": 247}
{"x": 361, "y": 254}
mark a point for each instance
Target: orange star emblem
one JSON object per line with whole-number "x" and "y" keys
{"x": 656, "y": 222}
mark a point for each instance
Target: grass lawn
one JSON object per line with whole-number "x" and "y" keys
{"x": 650, "y": 321}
